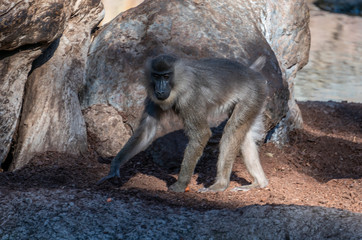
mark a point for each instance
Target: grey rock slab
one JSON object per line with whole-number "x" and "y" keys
{"x": 78, "y": 214}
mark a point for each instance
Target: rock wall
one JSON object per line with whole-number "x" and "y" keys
{"x": 14, "y": 71}
{"x": 39, "y": 99}
{"x": 25, "y": 31}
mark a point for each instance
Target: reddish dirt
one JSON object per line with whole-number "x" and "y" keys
{"x": 321, "y": 166}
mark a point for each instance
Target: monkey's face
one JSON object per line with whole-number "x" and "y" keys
{"x": 161, "y": 82}
{"x": 160, "y": 73}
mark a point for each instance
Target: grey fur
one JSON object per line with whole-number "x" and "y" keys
{"x": 201, "y": 88}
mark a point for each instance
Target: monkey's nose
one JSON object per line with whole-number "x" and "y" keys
{"x": 161, "y": 95}
{"x": 159, "y": 92}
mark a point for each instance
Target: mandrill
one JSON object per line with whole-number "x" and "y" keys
{"x": 193, "y": 90}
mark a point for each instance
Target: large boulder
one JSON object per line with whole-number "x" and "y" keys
{"x": 106, "y": 130}
{"x": 286, "y": 28}
{"x": 57, "y": 35}
{"x": 241, "y": 30}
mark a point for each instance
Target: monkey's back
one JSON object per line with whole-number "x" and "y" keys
{"x": 222, "y": 83}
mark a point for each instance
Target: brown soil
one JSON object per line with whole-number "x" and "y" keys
{"x": 321, "y": 166}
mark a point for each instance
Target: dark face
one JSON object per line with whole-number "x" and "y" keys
{"x": 162, "y": 84}
{"x": 162, "y": 75}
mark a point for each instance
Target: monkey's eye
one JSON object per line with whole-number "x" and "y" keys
{"x": 155, "y": 75}
{"x": 166, "y": 76}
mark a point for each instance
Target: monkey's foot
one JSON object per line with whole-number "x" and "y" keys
{"x": 216, "y": 187}
{"x": 177, "y": 187}
{"x": 246, "y": 187}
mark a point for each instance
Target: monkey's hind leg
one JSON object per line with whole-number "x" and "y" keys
{"x": 250, "y": 154}
{"x": 232, "y": 137}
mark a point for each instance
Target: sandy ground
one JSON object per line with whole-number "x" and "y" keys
{"x": 315, "y": 183}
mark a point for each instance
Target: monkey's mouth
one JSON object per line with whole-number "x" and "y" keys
{"x": 162, "y": 96}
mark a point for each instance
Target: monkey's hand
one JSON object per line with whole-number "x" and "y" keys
{"x": 114, "y": 172}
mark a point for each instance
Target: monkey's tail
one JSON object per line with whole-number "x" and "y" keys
{"x": 258, "y": 64}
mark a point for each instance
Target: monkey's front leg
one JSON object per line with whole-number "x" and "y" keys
{"x": 139, "y": 141}
{"x": 194, "y": 149}
{"x": 114, "y": 170}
